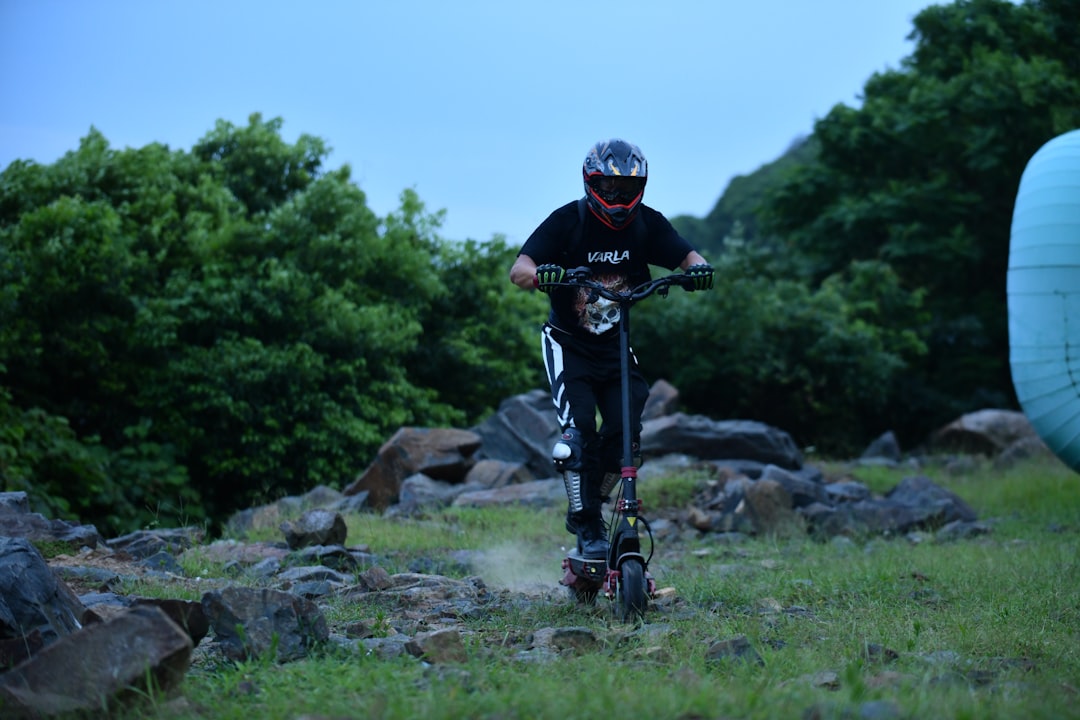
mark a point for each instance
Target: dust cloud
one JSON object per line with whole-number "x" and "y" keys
{"x": 521, "y": 567}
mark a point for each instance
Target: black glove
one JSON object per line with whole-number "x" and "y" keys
{"x": 548, "y": 276}
{"x": 701, "y": 275}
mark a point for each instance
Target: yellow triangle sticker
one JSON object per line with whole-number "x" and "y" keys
{"x": 631, "y": 521}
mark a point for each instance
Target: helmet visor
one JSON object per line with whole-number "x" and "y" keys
{"x": 617, "y": 189}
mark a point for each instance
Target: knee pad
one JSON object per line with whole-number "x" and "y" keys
{"x": 569, "y": 450}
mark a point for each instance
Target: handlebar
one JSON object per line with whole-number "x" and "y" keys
{"x": 582, "y": 277}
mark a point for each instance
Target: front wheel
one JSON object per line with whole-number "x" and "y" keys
{"x": 632, "y": 595}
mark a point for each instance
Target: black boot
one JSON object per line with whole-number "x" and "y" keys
{"x": 592, "y": 540}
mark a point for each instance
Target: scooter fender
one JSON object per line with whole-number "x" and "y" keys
{"x": 622, "y": 558}
{"x": 611, "y": 582}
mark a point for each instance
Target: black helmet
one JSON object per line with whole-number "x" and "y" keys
{"x": 615, "y": 173}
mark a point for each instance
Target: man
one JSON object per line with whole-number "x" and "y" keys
{"x": 617, "y": 238}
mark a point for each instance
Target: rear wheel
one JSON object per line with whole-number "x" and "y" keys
{"x": 632, "y": 595}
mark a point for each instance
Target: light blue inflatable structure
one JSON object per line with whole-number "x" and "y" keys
{"x": 1044, "y": 295}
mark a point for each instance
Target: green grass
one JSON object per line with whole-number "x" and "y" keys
{"x": 452, "y": 529}
{"x": 987, "y": 627}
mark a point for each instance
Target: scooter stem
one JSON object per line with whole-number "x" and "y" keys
{"x": 629, "y": 478}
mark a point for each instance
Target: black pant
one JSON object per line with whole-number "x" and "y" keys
{"x": 585, "y": 377}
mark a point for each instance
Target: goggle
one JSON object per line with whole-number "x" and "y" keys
{"x": 617, "y": 189}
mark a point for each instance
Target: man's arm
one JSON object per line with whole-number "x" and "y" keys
{"x": 692, "y": 258}
{"x": 523, "y": 272}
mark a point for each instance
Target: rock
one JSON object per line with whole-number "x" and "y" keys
{"x": 497, "y": 473}
{"x": 877, "y": 516}
{"x": 386, "y": 648}
{"x": 441, "y": 454}
{"x": 771, "y": 509}
{"x": 846, "y": 491}
{"x": 16, "y": 521}
{"x": 698, "y": 519}
{"x": 522, "y": 431}
{"x": 440, "y": 646}
{"x": 270, "y": 516}
{"x": 374, "y": 579}
{"x": 663, "y": 400}
{"x": 336, "y": 557}
{"x": 162, "y": 562}
{"x": 32, "y": 597}
{"x": 827, "y": 679}
{"x": 884, "y": 447}
{"x": 315, "y": 527}
{"x": 826, "y": 521}
{"x": 703, "y": 438}
{"x": 1025, "y": 447}
{"x": 920, "y": 492}
{"x": 313, "y": 573}
{"x": 97, "y": 664}
{"x": 252, "y": 622}
{"x": 146, "y": 543}
{"x": 737, "y": 649}
{"x": 567, "y": 639}
{"x": 187, "y": 614}
{"x": 15, "y": 502}
{"x": 539, "y": 492}
{"x": 915, "y": 503}
{"x": 985, "y": 432}
{"x": 242, "y": 553}
{"x": 960, "y": 530}
{"x": 419, "y": 492}
{"x": 803, "y": 491}
{"x": 14, "y": 650}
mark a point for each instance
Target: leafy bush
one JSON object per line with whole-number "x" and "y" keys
{"x": 71, "y": 478}
{"x": 194, "y": 333}
{"x": 816, "y": 362}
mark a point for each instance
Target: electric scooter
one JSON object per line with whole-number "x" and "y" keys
{"x": 623, "y": 575}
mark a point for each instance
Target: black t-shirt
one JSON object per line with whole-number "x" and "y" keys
{"x": 619, "y": 259}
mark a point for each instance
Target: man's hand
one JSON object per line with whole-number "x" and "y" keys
{"x": 548, "y": 277}
{"x": 701, "y": 275}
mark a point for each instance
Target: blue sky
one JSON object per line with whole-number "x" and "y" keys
{"x": 485, "y": 108}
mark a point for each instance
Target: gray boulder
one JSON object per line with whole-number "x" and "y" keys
{"x": 522, "y": 431}
{"x": 315, "y": 527}
{"x": 440, "y": 453}
{"x": 31, "y": 597}
{"x": 85, "y": 670}
{"x": 16, "y": 520}
{"x": 251, "y": 623}
{"x": 708, "y": 439}
{"x": 984, "y": 432}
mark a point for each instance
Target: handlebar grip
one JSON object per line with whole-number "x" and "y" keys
{"x": 579, "y": 273}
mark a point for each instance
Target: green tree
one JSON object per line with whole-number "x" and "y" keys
{"x": 257, "y": 165}
{"x": 738, "y": 209}
{"x": 285, "y": 346}
{"x": 481, "y": 334}
{"x": 923, "y": 177}
{"x": 822, "y": 363}
{"x": 185, "y": 334}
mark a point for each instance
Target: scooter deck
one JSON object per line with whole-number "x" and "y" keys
{"x": 585, "y": 569}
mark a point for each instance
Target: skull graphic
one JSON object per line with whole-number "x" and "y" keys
{"x": 601, "y": 316}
